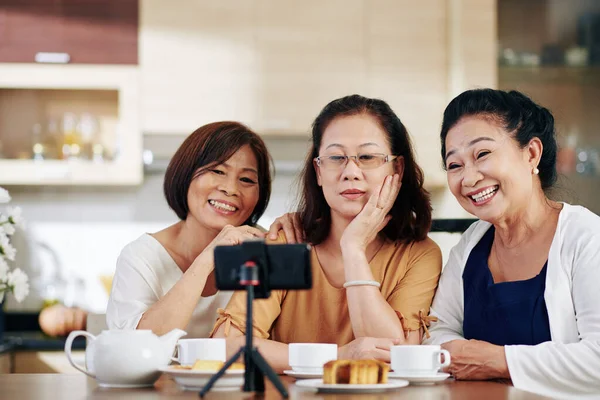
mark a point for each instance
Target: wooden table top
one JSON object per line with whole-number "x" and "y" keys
{"x": 78, "y": 386}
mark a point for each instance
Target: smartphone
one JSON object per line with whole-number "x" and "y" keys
{"x": 280, "y": 266}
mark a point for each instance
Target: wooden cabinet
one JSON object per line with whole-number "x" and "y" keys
{"x": 274, "y": 64}
{"x": 198, "y": 64}
{"x": 89, "y": 31}
{"x": 310, "y": 53}
{"x": 102, "y": 144}
{"x": 5, "y": 363}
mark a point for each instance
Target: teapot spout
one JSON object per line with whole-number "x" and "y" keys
{"x": 169, "y": 340}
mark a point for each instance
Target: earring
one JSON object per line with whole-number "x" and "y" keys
{"x": 536, "y": 171}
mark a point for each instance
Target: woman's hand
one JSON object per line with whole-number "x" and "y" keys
{"x": 368, "y": 348}
{"x": 290, "y": 223}
{"x": 476, "y": 360}
{"x": 229, "y": 236}
{"x": 373, "y": 217}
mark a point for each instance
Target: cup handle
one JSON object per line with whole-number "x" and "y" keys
{"x": 446, "y": 362}
{"x": 69, "y": 345}
{"x": 178, "y": 349}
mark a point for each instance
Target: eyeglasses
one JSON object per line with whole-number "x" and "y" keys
{"x": 364, "y": 161}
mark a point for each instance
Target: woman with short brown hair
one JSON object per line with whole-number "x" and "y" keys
{"x": 218, "y": 183}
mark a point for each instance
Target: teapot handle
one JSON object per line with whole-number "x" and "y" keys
{"x": 69, "y": 345}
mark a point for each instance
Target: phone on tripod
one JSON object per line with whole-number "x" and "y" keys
{"x": 283, "y": 266}
{"x": 258, "y": 268}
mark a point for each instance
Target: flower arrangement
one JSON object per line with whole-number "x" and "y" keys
{"x": 15, "y": 281}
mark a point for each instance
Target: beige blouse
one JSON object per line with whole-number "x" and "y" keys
{"x": 408, "y": 273}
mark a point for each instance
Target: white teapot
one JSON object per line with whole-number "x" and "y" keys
{"x": 125, "y": 358}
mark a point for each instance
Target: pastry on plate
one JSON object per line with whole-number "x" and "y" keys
{"x": 214, "y": 365}
{"x": 357, "y": 372}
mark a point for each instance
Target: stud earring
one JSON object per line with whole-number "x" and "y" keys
{"x": 536, "y": 171}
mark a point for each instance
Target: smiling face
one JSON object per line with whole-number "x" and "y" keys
{"x": 488, "y": 172}
{"x": 348, "y": 188}
{"x": 225, "y": 194}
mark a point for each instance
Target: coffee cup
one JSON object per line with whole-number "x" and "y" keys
{"x": 190, "y": 350}
{"x": 418, "y": 360}
{"x": 310, "y": 357}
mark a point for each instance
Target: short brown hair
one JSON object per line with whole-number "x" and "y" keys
{"x": 208, "y": 146}
{"x": 411, "y": 212}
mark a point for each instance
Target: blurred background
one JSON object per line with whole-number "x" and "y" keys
{"x": 96, "y": 95}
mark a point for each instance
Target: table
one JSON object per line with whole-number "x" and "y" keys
{"x": 78, "y": 386}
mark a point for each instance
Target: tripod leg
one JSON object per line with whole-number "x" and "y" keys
{"x": 254, "y": 380}
{"x": 221, "y": 372}
{"x": 264, "y": 367}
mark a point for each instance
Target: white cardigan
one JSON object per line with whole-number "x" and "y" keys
{"x": 569, "y": 365}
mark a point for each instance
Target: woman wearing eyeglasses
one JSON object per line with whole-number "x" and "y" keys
{"x": 366, "y": 214}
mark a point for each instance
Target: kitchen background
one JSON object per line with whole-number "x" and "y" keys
{"x": 96, "y": 95}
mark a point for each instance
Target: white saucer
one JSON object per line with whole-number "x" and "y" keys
{"x": 303, "y": 375}
{"x": 346, "y": 388}
{"x": 195, "y": 380}
{"x": 420, "y": 379}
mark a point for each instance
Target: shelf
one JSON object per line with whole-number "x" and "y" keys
{"x": 55, "y": 172}
{"x": 40, "y": 95}
{"x": 549, "y": 74}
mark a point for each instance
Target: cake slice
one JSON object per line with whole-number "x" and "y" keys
{"x": 357, "y": 372}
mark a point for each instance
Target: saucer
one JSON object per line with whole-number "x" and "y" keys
{"x": 195, "y": 380}
{"x": 429, "y": 379}
{"x": 303, "y": 375}
{"x": 347, "y": 388}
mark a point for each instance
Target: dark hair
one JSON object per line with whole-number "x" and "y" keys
{"x": 208, "y": 146}
{"x": 516, "y": 113}
{"x": 411, "y": 212}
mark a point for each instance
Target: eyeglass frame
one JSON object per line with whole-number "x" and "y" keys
{"x": 388, "y": 158}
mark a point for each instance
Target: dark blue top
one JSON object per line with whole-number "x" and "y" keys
{"x": 505, "y": 313}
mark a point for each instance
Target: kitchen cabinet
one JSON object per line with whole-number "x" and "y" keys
{"x": 5, "y": 363}
{"x": 310, "y": 53}
{"x": 198, "y": 64}
{"x": 88, "y": 31}
{"x": 274, "y": 65}
{"x": 550, "y": 50}
{"x": 69, "y": 125}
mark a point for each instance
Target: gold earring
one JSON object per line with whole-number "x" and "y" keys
{"x": 536, "y": 171}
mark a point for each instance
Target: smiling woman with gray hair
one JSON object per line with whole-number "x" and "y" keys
{"x": 518, "y": 298}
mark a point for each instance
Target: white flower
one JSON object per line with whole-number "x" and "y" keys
{"x": 7, "y": 227}
{"x": 3, "y": 271}
{"x": 6, "y": 248}
{"x": 4, "y": 196}
{"x": 14, "y": 215}
{"x": 1, "y": 296}
{"x": 18, "y": 282}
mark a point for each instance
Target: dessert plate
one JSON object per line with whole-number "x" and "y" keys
{"x": 190, "y": 379}
{"x": 303, "y": 375}
{"x": 420, "y": 379}
{"x": 347, "y": 388}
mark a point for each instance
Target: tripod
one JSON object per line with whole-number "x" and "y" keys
{"x": 256, "y": 367}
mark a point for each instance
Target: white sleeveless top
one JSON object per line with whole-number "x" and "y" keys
{"x": 145, "y": 273}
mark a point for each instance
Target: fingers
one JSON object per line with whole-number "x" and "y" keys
{"x": 274, "y": 229}
{"x": 253, "y": 231}
{"x": 384, "y": 344}
{"x": 290, "y": 224}
{"x": 389, "y": 192}
{"x": 381, "y": 355}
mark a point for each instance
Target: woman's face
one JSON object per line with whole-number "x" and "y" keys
{"x": 488, "y": 172}
{"x": 347, "y": 188}
{"x": 225, "y": 194}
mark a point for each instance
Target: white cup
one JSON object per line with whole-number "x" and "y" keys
{"x": 418, "y": 360}
{"x": 190, "y": 350}
{"x": 310, "y": 357}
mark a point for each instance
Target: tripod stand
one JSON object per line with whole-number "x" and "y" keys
{"x": 256, "y": 367}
